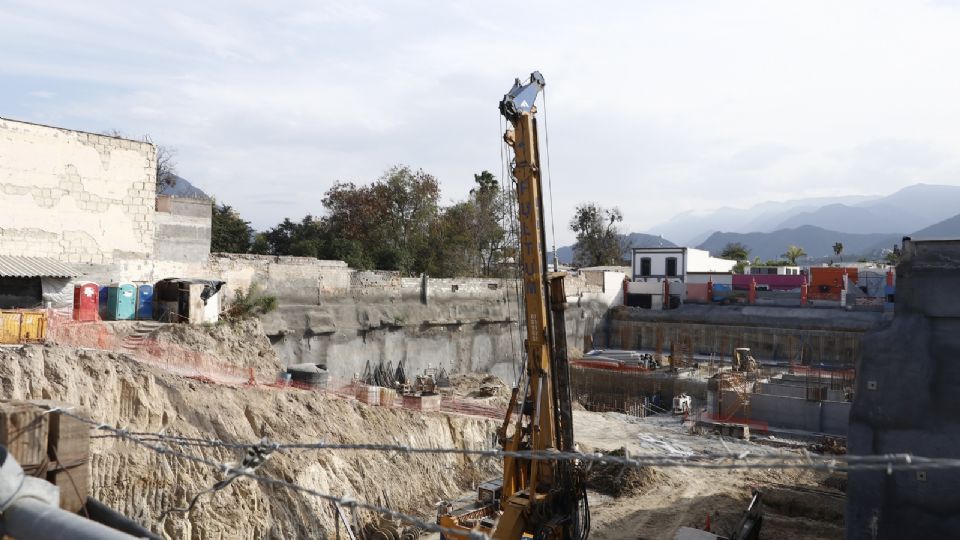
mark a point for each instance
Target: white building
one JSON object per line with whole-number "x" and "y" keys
{"x": 674, "y": 263}
{"x": 661, "y": 271}
{"x": 761, "y": 270}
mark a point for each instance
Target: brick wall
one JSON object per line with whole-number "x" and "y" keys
{"x": 183, "y": 229}
{"x": 74, "y": 196}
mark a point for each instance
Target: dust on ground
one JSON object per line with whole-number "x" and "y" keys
{"x": 481, "y": 387}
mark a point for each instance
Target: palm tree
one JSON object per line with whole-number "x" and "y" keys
{"x": 838, "y": 249}
{"x": 793, "y": 253}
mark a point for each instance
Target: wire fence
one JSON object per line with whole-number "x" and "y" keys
{"x": 226, "y": 469}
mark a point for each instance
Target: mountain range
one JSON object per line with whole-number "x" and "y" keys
{"x": 909, "y": 209}
{"x": 867, "y": 226}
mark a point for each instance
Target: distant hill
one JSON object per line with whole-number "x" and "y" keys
{"x": 816, "y": 241}
{"x": 853, "y": 219}
{"x": 565, "y": 253}
{"x": 692, "y": 228}
{"x": 183, "y": 188}
{"x": 908, "y": 209}
{"x": 946, "y": 229}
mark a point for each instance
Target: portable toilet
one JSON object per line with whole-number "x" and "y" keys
{"x": 145, "y": 302}
{"x": 122, "y": 302}
{"x": 86, "y": 302}
{"x": 103, "y": 302}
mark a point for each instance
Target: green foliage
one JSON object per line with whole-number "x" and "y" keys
{"x": 394, "y": 223}
{"x": 740, "y": 267}
{"x": 599, "y": 241}
{"x": 893, "y": 256}
{"x": 260, "y": 244}
{"x": 230, "y": 233}
{"x": 838, "y": 250}
{"x": 735, "y": 251}
{"x": 793, "y": 253}
{"x": 251, "y": 303}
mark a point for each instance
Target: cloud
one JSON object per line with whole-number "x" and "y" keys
{"x": 658, "y": 108}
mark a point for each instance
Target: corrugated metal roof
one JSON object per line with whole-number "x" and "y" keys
{"x": 11, "y": 266}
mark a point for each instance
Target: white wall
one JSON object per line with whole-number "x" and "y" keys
{"x": 699, "y": 260}
{"x": 73, "y": 196}
{"x": 658, "y": 261}
{"x": 717, "y": 278}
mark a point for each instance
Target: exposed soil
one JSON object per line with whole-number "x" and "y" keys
{"x": 487, "y": 389}
{"x": 237, "y": 342}
{"x": 796, "y": 503}
{"x": 116, "y": 390}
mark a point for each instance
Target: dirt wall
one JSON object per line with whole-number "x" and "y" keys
{"x": 141, "y": 484}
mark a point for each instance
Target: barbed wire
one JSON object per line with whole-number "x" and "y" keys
{"x": 707, "y": 460}
{"x": 227, "y": 469}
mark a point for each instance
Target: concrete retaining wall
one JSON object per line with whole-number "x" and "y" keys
{"x": 806, "y": 336}
{"x": 830, "y": 417}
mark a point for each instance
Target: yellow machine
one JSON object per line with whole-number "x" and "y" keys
{"x": 541, "y": 499}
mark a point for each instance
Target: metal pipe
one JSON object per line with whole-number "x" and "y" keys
{"x": 31, "y": 518}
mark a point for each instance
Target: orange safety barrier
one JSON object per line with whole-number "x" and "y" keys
{"x": 180, "y": 360}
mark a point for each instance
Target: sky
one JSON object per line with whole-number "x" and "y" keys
{"x": 657, "y": 107}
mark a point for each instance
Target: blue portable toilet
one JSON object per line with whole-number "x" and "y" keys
{"x": 102, "y": 311}
{"x": 145, "y": 302}
{"x": 122, "y": 302}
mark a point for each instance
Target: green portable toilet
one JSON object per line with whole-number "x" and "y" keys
{"x": 122, "y": 302}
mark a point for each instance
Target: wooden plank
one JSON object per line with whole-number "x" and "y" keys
{"x": 74, "y": 484}
{"x": 24, "y": 431}
{"x": 69, "y": 442}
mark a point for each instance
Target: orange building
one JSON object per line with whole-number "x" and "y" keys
{"x": 826, "y": 282}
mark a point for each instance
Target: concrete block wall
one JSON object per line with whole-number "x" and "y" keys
{"x": 830, "y": 417}
{"x": 74, "y": 196}
{"x": 183, "y": 229}
{"x": 780, "y": 341}
{"x": 907, "y": 401}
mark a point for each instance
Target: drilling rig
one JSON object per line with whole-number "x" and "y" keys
{"x": 536, "y": 498}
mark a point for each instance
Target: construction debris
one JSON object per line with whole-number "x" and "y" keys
{"x": 619, "y": 481}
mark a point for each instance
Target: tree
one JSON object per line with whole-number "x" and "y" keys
{"x": 489, "y": 208}
{"x": 893, "y": 256}
{"x": 793, "y": 253}
{"x": 260, "y": 244}
{"x": 166, "y": 165}
{"x": 386, "y": 225}
{"x": 303, "y": 239}
{"x": 838, "y": 249}
{"x": 230, "y": 233}
{"x": 735, "y": 251}
{"x": 599, "y": 241}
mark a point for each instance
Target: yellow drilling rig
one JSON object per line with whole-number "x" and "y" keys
{"x": 537, "y": 498}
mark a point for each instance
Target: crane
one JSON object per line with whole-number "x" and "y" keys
{"x": 541, "y": 499}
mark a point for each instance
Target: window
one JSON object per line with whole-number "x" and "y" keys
{"x": 645, "y": 266}
{"x": 671, "y": 266}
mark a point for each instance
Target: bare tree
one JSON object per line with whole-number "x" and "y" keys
{"x": 166, "y": 165}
